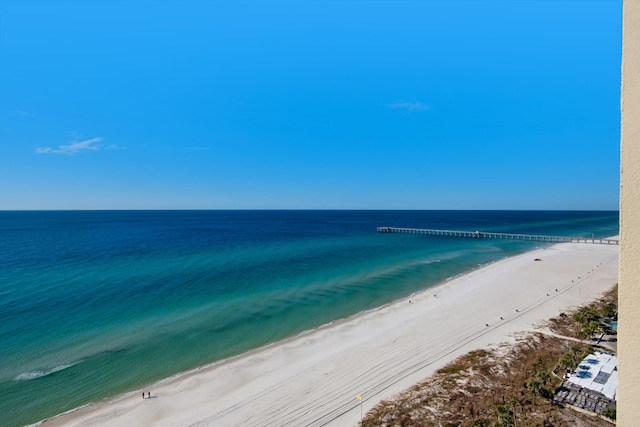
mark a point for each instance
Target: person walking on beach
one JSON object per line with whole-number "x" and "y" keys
{"x": 143, "y": 394}
{"x": 148, "y": 395}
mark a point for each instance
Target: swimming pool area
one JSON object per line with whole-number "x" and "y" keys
{"x": 610, "y": 323}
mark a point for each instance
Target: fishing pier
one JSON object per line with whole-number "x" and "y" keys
{"x": 504, "y": 236}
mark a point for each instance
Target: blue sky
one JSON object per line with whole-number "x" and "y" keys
{"x": 309, "y": 104}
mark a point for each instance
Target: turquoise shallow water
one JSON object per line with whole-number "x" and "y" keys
{"x": 93, "y": 304}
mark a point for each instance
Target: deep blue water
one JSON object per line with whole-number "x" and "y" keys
{"x": 97, "y": 303}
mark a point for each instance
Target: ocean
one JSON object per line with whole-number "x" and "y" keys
{"x": 94, "y": 304}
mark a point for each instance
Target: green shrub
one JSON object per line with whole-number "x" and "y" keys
{"x": 453, "y": 368}
{"x": 609, "y": 413}
{"x": 546, "y": 393}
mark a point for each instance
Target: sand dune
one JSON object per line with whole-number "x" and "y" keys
{"x": 313, "y": 379}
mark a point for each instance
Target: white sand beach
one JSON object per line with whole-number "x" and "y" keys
{"x": 313, "y": 379}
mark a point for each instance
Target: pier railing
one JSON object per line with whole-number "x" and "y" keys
{"x": 491, "y": 235}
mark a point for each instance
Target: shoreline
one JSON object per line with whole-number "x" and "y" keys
{"x": 314, "y": 377}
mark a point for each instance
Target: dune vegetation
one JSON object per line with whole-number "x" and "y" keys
{"x": 508, "y": 385}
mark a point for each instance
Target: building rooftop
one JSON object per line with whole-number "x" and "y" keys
{"x": 598, "y": 372}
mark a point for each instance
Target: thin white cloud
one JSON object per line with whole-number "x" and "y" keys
{"x": 408, "y": 106}
{"x": 24, "y": 113}
{"x": 75, "y": 147}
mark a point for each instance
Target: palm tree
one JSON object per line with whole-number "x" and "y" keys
{"x": 544, "y": 377}
{"x": 534, "y": 387}
{"x": 513, "y": 401}
{"x": 609, "y": 310}
{"x": 596, "y": 326}
{"x": 586, "y": 315}
{"x": 567, "y": 360}
{"x": 576, "y": 349}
